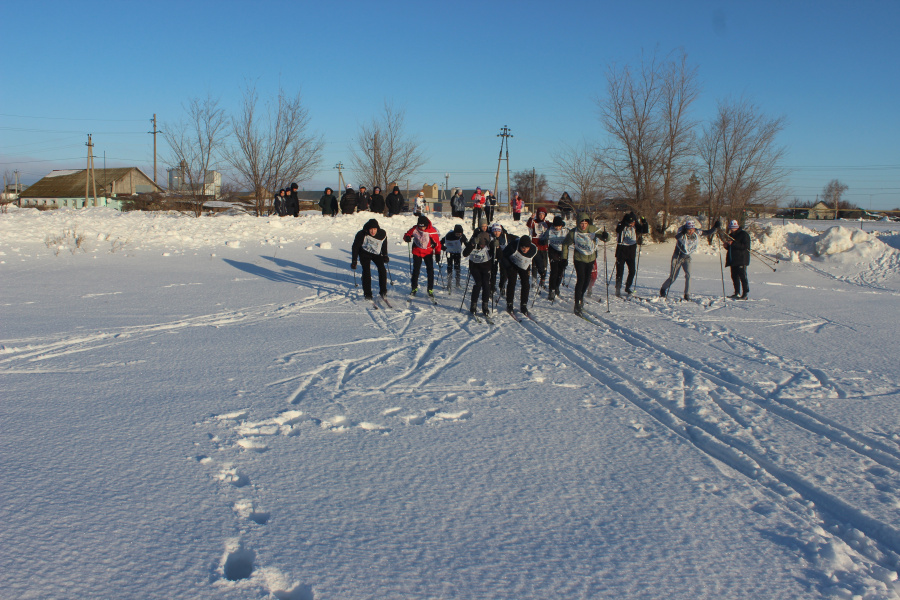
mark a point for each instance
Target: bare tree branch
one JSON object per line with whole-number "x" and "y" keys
{"x": 579, "y": 169}
{"x": 384, "y": 154}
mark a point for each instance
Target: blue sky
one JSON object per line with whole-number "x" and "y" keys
{"x": 461, "y": 70}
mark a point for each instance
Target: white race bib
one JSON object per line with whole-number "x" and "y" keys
{"x": 480, "y": 255}
{"x": 372, "y": 245}
{"x": 629, "y": 237}
{"x": 584, "y": 243}
{"x": 556, "y": 239}
{"x": 421, "y": 239}
{"x": 453, "y": 246}
{"x": 520, "y": 261}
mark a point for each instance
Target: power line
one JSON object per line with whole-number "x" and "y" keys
{"x": 74, "y": 119}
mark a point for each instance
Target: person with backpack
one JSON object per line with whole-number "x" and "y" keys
{"x": 584, "y": 238}
{"x": 629, "y": 237}
{"x": 516, "y": 260}
{"x": 426, "y": 243}
{"x": 554, "y": 239}
{"x": 453, "y": 244}
{"x": 370, "y": 246}
{"x": 480, "y": 250}
{"x": 687, "y": 240}
{"x": 737, "y": 257}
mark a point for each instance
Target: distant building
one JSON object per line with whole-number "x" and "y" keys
{"x": 66, "y": 188}
{"x": 212, "y": 184}
{"x": 821, "y": 211}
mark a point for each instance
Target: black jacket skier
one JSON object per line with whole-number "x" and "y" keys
{"x": 328, "y": 203}
{"x": 737, "y": 258}
{"x": 516, "y": 259}
{"x": 370, "y": 245}
{"x": 480, "y": 250}
{"x": 630, "y": 233}
{"x": 362, "y": 199}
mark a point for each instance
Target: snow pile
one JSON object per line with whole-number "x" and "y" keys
{"x": 837, "y": 244}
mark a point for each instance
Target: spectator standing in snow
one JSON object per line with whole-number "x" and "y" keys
{"x": 687, "y": 240}
{"x": 419, "y": 206}
{"x": 278, "y": 203}
{"x": 292, "y": 204}
{"x": 328, "y": 203}
{"x": 554, "y": 238}
{"x": 453, "y": 244}
{"x": 566, "y": 206}
{"x": 458, "y": 205}
{"x": 584, "y": 237}
{"x": 426, "y": 243}
{"x": 629, "y": 236}
{"x": 516, "y": 259}
{"x": 477, "y": 207}
{"x": 480, "y": 251}
{"x": 376, "y": 202}
{"x": 490, "y": 203}
{"x": 370, "y": 246}
{"x": 737, "y": 256}
{"x": 516, "y": 205}
{"x": 395, "y": 202}
{"x": 538, "y": 226}
{"x": 362, "y": 199}
{"x": 349, "y": 200}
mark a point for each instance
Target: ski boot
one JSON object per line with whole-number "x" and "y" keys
{"x": 524, "y": 310}
{"x": 414, "y": 291}
{"x": 551, "y": 295}
{"x": 618, "y": 292}
{"x": 578, "y": 310}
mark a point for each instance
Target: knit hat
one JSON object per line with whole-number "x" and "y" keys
{"x": 478, "y": 189}
{"x": 525, "y": 241}
{"x": 689, "y": 224}
{"x": 294, "y": 186}
{"x": 496, "y": 227}
{"x": 542, "y": 210}
{"x": 558, "y": 221}
{"x": 482, "y": 222}
{"x": 733, "y": 225}
{"x": 630, "y": 218}
{"x": 371, "y": 224}
{"x": 423, "y": 221}
{"x": 458, "y": 228}
{"x": 349, "y": 187}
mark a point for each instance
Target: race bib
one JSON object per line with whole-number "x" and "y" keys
{"x": 584, "y": 243}
{"x": 629, "y": 237}
{"x": 372, "y": 245}
{"x": 539, "y": 227}
{"x": 480, "y": 255}
{"x": 555, "y": 240}
{"x": 690, "y": 243}
{"x": 421, "y": 239}
{"x": 453, "y": 246}
{"x": 520, "y": 261}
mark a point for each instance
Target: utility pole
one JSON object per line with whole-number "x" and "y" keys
{"x": 446, "y": 183}
{"x": 89, "y": 173}
{"x": 18, "y": 201}
{"x": 154, "y": 132}
{"x": 504, "y": 135}
{"x": 533, "y": 189}
{"x": 340, "y": 170}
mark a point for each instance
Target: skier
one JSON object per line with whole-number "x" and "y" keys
{"x": 349, "y": 200}
{"x": 490, "y": 203}
{"x": 419, "y": 206}
{"x": 328, "y": 203}
{"x": 503, "y": 239}
{"x": 516, "y": 205}
{"x": 516, "y": 259}
{"x": 629, "y": 235}
{"x": 584, "y": 238}
{"x": 737, "y": 257}
{"x": 480, "y": 251}
{"x": 453, "y": 244}
{"x": 370, "y": 246}
{"x": 376, "y": 202}
{"x": 293, "y": 202}
{"x": 477, "y": 207}
{"x": 687, "y": 240}
{"x": 538, "y": 226}
{"x": 426, "y": 242}
{"x": 395, "y": 202}
{"x": 363, "y": 198}
{"x": 554, "y": 238}
{"x": 458, "y": 205}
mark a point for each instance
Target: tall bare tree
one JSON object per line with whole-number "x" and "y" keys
{"x": 384, "y": 153}
{"x": 646, "y": 113}
{"x": 831, "y": 194}
{"x": 577, "y": 168}
{"x": 272, "y": 147}
{"x": 195, "y": 146}
{"x": 741, "y": 159}
{"x": 532, "y": 186}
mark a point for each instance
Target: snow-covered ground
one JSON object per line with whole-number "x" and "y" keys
{"x": 207, "y": 408}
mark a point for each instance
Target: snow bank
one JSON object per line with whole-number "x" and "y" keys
{"x": 838, "y": 244}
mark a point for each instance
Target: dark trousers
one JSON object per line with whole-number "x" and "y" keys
{"x": 516, "y": 273}
{"x": 517, "y": 216}
{"x": 540, "y": 264}
{"x": 625, "y": 255}
{"x": 453, "y": 261}
{"x": 582, "y": 278}
{"x": 481, "y": 280}
{"x": 557, "y": 270}
{"x": 429, "y": 267}
{"x": 739, "y": 279}
{"x": 365, "y": 261}
{"x": 495, "y": 267}
{"x": 489, "y": 213}
{"x": 476, "y": 214}
{"x": 458, "y": 214}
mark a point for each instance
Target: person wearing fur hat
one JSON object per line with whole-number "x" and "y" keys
{"x": 453, "y": 244}
{"x": 737, "y": 256}
{"x": 478, "y": 201}
{"x": 395, "y": 202}
{"x": 480, "y": 250}
{"x": 629, "y": 236}
{"x": 502, "y": 239}
{"x": 349, "y": 200}
{"x": 328, "y": 203}
{"x": 516, "y": 205}
{"x": 687, "y": 240}
{"x": 584, "y": 237}
{"x": 516, "y": 260}
{"x": 370, "y": 246}
{"x": 426, "y": 243}
{"x": 538, "y": 226}
{"x": 554, "y": 238}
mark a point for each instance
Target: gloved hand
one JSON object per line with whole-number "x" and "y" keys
{"x": 353, "y": 265}
{"x": 604, "y": 237}
{"x": 407, "y": 239}
{"x": 718, "y": 224}
{"x": 387, "y": 259}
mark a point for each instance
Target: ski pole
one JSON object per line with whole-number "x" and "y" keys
{"x": 637, "y": 267}
{"x": 466, "y": 291}
{"x": 722, "y": 270}
{"x": 354, "y": 278}
{"x": 390, "y": 274}
{"x": 606, "y": 274}
{"x": 440, "y": 272}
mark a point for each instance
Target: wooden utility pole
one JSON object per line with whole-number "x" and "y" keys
{"x": 533, "y": 189}
{"x": 340, "y": 170}
{"x": 154, "y": 132}
{"x": 89, "y": 173}
{"x": 504, "y": 135}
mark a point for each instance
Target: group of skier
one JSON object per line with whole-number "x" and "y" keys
{"x": 492, "y": 251}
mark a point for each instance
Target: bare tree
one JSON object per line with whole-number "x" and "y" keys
{"x": 384, "y": 154}
{"x": 645, "y": 113}
{"x": 741, "y": 159}
{"x": 577, "y": 168}
{"x": 831, "y": 194}
{"x": 195, "y": 146}
{"x": 272, "y": 147}
{"x": 532, "y": 186}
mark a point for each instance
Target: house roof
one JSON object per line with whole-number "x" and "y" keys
{"x": 70, "y": 184}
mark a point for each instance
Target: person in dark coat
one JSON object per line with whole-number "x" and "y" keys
{"x": 278, "y": 207}
{"x": 480, "y": 250}
{"x": 629, "y": 237}
{"x": 453, "y": 244}
{"x": 349, "y": 200}
{"x": 370, "y": 246}
{"x": 490, "y": 204}
{"x": 458, "y": 205}
{"x": 516, "y": 259}
{"x": 502, "y": 239}
{"x": 363, "y": 198}
{"x": 376, "y": 202}
{"x": 565, "y": 205}
{"x": 737, "y": 257}
{"x": 328, "y": 203}
{"x": 554, "y": 238}
{"x": 395, "y": 202}
{"x": 293, "y": 202}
